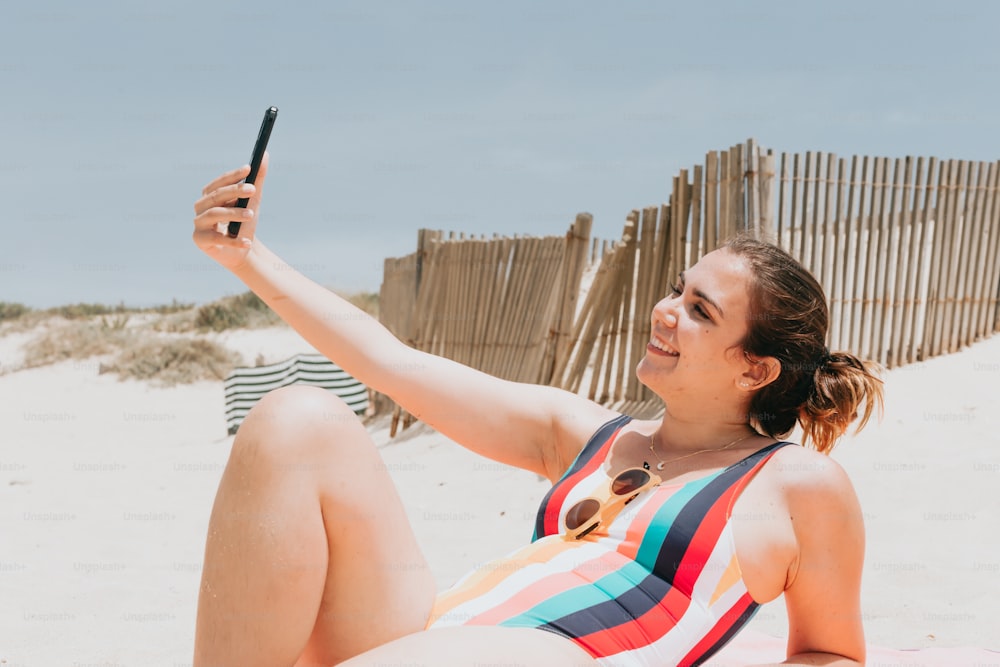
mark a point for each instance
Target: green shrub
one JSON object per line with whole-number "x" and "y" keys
{"x": 75, "y": 340}
{"x": 245, "y": 310}
{"x": 12, "y": 311}
{"x": 170, "y": 361}
{"x": 77, "y": 311}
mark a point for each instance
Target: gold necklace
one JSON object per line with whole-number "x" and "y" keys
{"x": 662, "y": 463}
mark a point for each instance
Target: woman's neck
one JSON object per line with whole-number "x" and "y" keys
{"x": 698, "y": 430}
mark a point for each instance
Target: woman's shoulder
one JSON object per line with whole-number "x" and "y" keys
{"x": 810, "y": 479}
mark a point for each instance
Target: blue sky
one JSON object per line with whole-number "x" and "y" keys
{"x": 507, "y": 117}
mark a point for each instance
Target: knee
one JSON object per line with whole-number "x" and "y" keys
{"x": 295, "y": 422}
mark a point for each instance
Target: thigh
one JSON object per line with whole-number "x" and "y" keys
{"x": 477, "y": 645}
{"x": 336, "y": 523}
{"x": 378, "y": 585}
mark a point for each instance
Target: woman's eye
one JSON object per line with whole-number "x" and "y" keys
{"x": 676, "y": 289}
{"x": 701, "y": 312}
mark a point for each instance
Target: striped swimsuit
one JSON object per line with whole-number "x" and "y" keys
{"x": 658, "y": 585}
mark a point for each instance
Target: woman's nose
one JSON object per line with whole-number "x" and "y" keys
{"x": 665, "y": 312}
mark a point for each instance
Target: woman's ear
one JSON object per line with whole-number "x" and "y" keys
{"x": 759, "y": 372}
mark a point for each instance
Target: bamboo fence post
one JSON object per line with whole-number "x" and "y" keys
{"x": 888, "y": 252}
{"x": 643, "y": 289}
{"x": 533, "y": 370}
{"x": 875, "y": 251}
{"x": 918, "y": 223}
{"x": 474, "y": 301}
{"x": 686, "y": 224}
{"x": 603, "y": 341}
{"x": 423, "y": 334}
{"x": 441, "y": 325}
{"x": 456, "y": 290}
{"x": 722, "y": 230}
{"x": 663, "y": 236}
{"x": 583, "y": 336}
{"x": 942, "y": 225}
{"x": 809, "y": 206}
{"x": 492, "y": 336}
{"x": 818, "y": 226}
{"x": 625, "y": 321}
{"x": 928, "y": 231}
{"x": 931, "y": 304}
{"x": 486, "y": 319}
{"x": 458, "y": 287}
{"x": 698, "y": 247}
{"x": 971, "y": 243}
{"x": 507, "y": 246}
{"x": 847, "y": 258}
{"x": 576, "y": 254}
{"x": 838, "y": 262}
{"x": 739, "y": 164}
{"x": 948, "y": 262}
{"x": 857, "y": 304}
{"x": 683, "y": 203}
{"x": 767, "y": 189}
{"x": 903, "y": 266}
{"x": 979, "y": 244}
{"x": 959, "y": 206}
{"x": 793, "y": 210}
{"x": 522, "y": 284}
{"x": 783, "y": 186}
{"x": 991, "y": 249}
{"x": 507, "y": 285}
{"x": 612, "y": 362}
{"x": 829, "y": 225}
{"x": 711, "y": 200}
{"x": 677, "y": 222}
{"x": 752, "y": 185}
{"x": 518, "y": 286}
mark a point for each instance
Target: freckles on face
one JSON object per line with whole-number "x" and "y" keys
{"x": 716, "y": 296}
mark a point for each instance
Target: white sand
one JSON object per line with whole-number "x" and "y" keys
{"x": 106, "y": 489}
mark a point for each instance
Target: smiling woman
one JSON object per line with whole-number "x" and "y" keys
{"x": 310, "y": 558}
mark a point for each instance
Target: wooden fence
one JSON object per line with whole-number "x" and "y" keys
{"x": 906, "y": 249}
{"x": 503, "y": 305}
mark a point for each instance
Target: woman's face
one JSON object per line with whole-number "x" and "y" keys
{"x": 694, "y": 349}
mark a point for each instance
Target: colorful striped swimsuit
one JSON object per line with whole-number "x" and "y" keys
{"x": 658, "y": 585}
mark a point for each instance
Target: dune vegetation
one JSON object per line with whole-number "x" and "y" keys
{"x": 166, "y": 345}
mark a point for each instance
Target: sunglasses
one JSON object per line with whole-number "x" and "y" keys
{"x": 589, "y": 513}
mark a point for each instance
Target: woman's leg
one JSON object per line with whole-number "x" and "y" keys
{"x": 309, "y": 555}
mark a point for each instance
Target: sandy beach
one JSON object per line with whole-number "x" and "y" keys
{"x": 106, "y": 488}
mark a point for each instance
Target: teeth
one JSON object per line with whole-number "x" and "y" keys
{"x": 660, "y": 346}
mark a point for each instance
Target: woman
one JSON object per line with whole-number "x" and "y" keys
{"x": 310, "y": 559}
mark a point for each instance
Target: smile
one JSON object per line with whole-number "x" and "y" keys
{"x": 662, "y": 348}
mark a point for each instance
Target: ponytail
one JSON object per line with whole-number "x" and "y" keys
{"x": 841, "y": 385}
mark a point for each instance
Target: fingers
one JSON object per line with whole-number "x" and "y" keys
{"x": 213, "y": 217}
{"x": 230, "y": 177}
{"x": 224, "y": 196}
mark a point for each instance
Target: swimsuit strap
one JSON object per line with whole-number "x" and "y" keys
{"x": 586, "y": 462}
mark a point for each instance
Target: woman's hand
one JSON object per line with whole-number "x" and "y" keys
{"x": 217, "y": 207}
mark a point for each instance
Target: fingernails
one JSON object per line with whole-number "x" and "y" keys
{"x": 248, "y": 213}
{"x": 246, "y": 189}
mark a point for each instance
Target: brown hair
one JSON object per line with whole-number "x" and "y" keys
{"x": 788, "y": 321}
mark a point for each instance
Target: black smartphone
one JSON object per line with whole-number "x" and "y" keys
{"x": 258, "y": 154}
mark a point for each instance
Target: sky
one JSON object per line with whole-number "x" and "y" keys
{"x": 505, "y": 118}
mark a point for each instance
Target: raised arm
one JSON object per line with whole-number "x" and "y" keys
{"x": 529, "y": 426}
